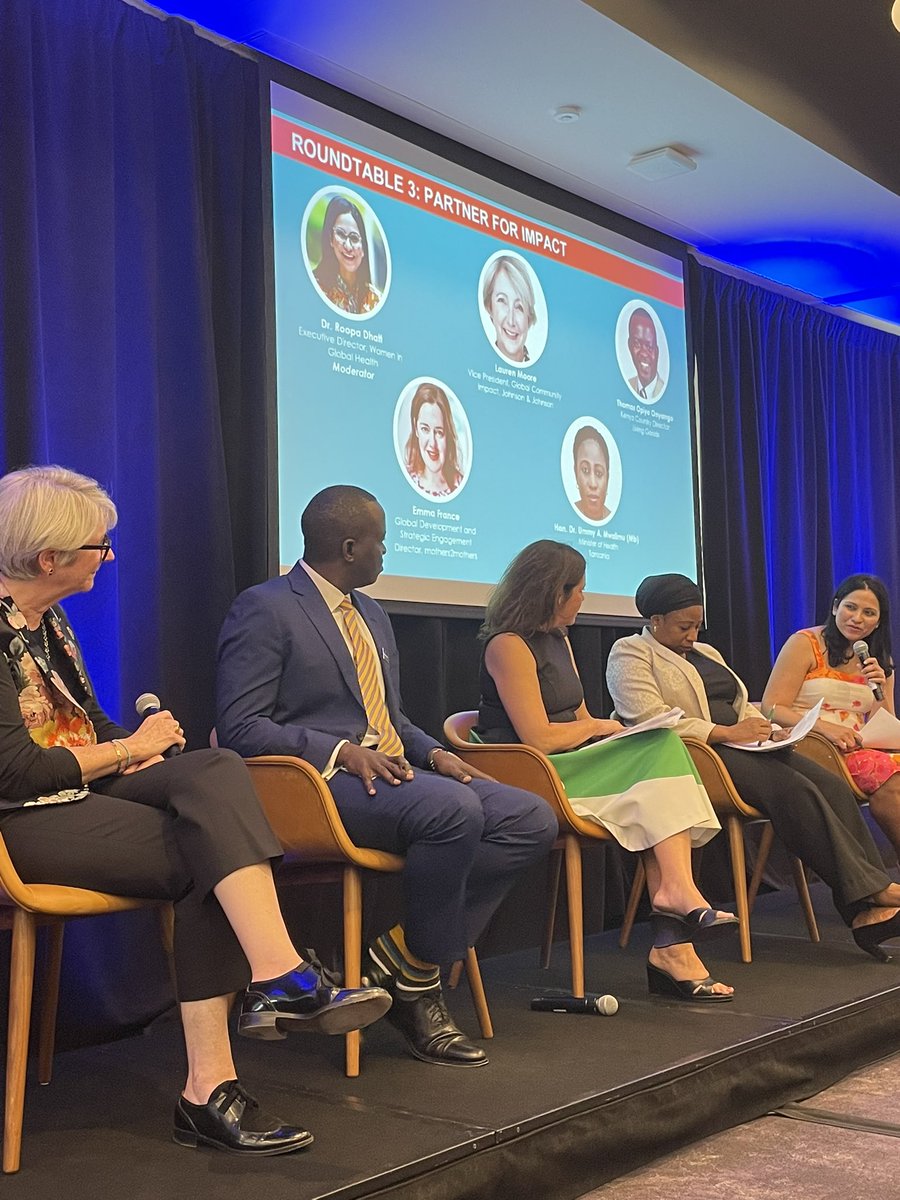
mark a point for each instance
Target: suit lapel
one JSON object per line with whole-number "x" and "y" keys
{"x": 682, "y": 666}
{"x": 310, "y": 599}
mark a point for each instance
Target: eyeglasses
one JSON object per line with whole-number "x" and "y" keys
{"x": 104, "y": 547}
{"x": 351, "y": 239}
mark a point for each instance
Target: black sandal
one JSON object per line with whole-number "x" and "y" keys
{"x": 694, "y": 991}
{"x": 699, "y": 924}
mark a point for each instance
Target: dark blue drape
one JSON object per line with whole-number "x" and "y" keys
{"x": 132, "y": 349}
{"x": 800, "y": 461}
{"x": 131, "y": 319}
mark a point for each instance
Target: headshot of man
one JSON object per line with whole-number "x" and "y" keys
{"x": 591, "y": 461}
{"x": 432, "y": 448}
{"x": 643, "y": 345}
{"x": 344, "y": 270}
{"x": 507, "y": 294}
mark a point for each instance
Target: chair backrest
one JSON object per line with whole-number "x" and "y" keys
{"x": 303, "y": 814}
{"x": 520, "y": 766}
{"x": 723, "y": 795}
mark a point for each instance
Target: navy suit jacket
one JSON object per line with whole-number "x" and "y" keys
{"x": 286, "y": 682}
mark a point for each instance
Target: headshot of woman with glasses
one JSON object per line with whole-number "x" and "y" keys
{"x": 344, "y": 270}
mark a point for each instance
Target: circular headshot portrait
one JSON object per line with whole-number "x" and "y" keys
{"x": 513, "y": 309}
{"x": 591, "y": 470}
{"x": 432, "y": 439}
{"x": 642, "y": 351}
{"x": 345, "y": 253}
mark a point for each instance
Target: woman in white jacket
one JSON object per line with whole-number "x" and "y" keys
{"x": 813, "y": 811}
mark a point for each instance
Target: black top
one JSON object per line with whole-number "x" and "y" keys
{"x": 27, "y": 769}
{"x": 720, "y": 687}
{"x": 561, "y": 690}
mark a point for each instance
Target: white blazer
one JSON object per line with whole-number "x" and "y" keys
{"x": 645, "y": 678}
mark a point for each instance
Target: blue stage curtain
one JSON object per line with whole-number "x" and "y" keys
{"x": 132, "y": 321}
{"x": 132, "y": 349}
{"x": 799, "y": 431}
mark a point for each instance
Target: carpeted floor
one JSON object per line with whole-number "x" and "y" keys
{"x": 775, "y": 1158}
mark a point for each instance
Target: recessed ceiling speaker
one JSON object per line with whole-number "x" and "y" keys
{"x": 662, "y": 163}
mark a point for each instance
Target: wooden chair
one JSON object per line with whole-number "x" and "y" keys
{"x": 524, "y": 767}
{"x": 24, "y": 906}
{"x": 304, "y": 816}
{"x": 817, "y": 747}
{"x": 735, "y": 814}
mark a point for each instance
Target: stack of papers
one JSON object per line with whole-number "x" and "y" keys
{"x": 799, "y": 731}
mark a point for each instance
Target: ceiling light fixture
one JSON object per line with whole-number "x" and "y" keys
{"x": 895, "y": 14}
{"x": 566, "y": 114}
{"x": 662, "y": 163}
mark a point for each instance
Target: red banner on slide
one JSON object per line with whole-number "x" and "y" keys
{"x": 342, "y": 161}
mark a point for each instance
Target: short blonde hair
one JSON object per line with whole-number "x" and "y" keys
{"x": 48, "y": 508}
{"x": 518, "y": 273}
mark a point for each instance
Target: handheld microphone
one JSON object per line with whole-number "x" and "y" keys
{"x": 145, "y": 706}
{"x": 591, "y": 1003}
{"x": 861, "y": 650}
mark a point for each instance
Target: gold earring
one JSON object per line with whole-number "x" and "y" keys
{"x": 50, "y": 572}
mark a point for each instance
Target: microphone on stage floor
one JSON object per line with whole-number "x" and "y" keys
{"x": 145, "y": 706}
{"x": 861, "y": 650}
{"x": 591, "y": 1003}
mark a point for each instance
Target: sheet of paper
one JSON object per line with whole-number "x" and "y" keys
{"x": 797, "y": 733}
{"x": 665, "y": 720}
{"x": 881, "y": 731}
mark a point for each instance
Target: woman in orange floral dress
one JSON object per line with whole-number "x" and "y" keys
{"x": 820, "y": 664}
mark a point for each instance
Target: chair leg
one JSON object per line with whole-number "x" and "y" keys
{"x": 21, "y": 985}
{"x": 802, "y": 885}
{"x": 473, "y": 972}
{"x": 739, "y": 875}
{"x": 455, "y": 974}
{"x": 555, "y": 869}
{"x": 574, "y": 890}
{"x": 762, "y": 858}
{"x": 49, "y": 993}
{"x": 352, "y": 956}
{"x": 634, "y": 899}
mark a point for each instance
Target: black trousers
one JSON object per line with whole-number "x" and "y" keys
{"x": 171, "y": 831}
{"x": 817, "y": 817}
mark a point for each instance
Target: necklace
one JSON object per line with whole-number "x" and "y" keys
{"x": 45, "y": 641}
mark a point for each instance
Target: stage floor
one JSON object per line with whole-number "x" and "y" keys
{"x": 568, "y": 1102}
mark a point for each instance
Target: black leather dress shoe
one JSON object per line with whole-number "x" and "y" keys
{"x": 232, "y": 1120}
{"x": 431, "y": 1033}
{"x": 306, "y": 1000}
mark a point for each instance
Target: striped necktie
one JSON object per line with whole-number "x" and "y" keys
{"x": 367, "y": 671}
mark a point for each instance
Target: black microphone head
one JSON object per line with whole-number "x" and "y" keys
{"x": 861, "y": 649}
{"x": 146, "y": 703}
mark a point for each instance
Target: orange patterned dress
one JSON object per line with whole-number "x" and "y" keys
{"x": 846, "y": 700}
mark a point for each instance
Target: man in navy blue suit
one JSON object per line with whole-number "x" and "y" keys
{"x": 308, "y": 667}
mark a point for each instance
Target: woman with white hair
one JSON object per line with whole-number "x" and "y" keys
{"x": 508, "y": 298}
{"x": 86, "y": 803}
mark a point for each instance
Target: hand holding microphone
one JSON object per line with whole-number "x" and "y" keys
{"x": 861, "y": 650}
{"x": 159, "y": 725}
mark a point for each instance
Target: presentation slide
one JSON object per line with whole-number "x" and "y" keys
{"x": 492, "y": 369}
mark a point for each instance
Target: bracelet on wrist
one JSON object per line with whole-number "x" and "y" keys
{"x": 120, "y": 755}
{"x": 436, "y": 750}
{"x": 123, "y": 755}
